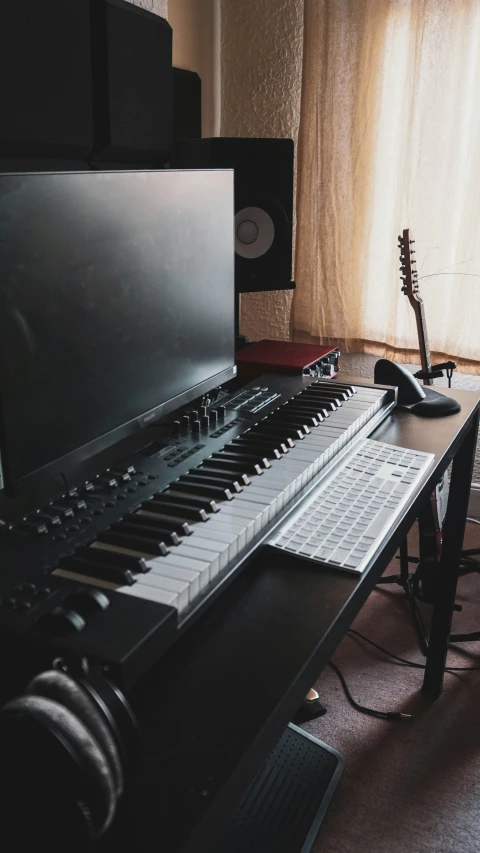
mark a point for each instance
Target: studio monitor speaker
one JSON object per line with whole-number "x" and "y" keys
{"x": 85, "y": 79}
{"x": 45, "y": 79}
{"x": 187, "y": 106}
{"x": 133, "y": 87}
{"x": 263, "y": 204}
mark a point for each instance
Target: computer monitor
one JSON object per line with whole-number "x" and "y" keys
{"x": 116, "y": 306}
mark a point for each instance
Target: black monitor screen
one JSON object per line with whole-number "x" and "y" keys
{"x": 116, "y": 298}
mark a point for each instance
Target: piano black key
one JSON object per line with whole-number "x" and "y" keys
{"x": 134, "y": 543}
{"x": 149, "y": 532}
{"x": 310, "y": 400}
{"x": 329, "y": 393}
{"x": 316, "y": 408}
{"x": 294, "y": 423}
{"x": 276, "y": 429}
{"x": 101, "y": 571}
{"x": 242, "y": 456}
{"x": 197, "y": 476}
{"x": 210, "y": 471}
{"x": 113, "y": 558}
{"x": 182, "y": 528}
{"x": 165, "y": 533}
{"x": 230, "y": 465}
{"x": 212, "y": 492}
{"x": 296, "y": 416}
{"x": 201, "y": 503}
{"x": 350, "y": 390}
{"x": 299, "y": 411}
{"x": 260, "y": 447}
{"x": 177, "y": 510}
{"x": 276, "y": 437}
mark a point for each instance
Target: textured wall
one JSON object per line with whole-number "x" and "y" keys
{"x": 261, "y": 58}
{"x": 159, "y": 7}
{"x": 196, "y": 37}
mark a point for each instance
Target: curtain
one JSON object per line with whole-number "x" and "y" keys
{"x": 389, "y": 139}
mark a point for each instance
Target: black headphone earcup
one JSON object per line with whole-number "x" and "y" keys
{"x": 88, "y": 774}
{"x": 62, "y": 688}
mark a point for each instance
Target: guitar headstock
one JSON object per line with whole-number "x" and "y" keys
{"x": 408, "y": 269}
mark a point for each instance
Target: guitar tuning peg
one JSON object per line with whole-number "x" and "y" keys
{"x": 400, "y": 239}
{"x": 402, "y": 268}
{"x": 411, "y": 241}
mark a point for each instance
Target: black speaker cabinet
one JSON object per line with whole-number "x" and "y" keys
{"x": 187, "y": 106}
{"x": 45, "y": 79}
{"x": 85, "y": 79}
{"x": 133, "y": 90}
{"x": 263, "y": 204}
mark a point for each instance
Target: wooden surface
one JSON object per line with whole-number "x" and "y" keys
{"x": 216, "y": 704}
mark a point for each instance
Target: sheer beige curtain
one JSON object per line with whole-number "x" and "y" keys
{"x": 389, "y": 139}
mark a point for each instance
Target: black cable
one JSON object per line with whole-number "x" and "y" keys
{"x": 392, "y": 716}
{"x": 404, "y": 661}
{"x": 370, "y": 712}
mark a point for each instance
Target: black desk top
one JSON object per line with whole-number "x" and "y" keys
{"x": 218, "y": 702}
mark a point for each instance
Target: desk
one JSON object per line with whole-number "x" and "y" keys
{"x": 216, "y": 704}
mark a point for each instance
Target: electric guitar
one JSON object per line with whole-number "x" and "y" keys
{"x": 411, "y": 289}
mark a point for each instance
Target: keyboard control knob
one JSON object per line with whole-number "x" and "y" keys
{"x": 185, "y": 422}
{"x": 213, "y": 417}
{"x": 196, "y": 427}
{"x": 193, "y": 415}
{"x": 221, "y": 412}
{"x": 205, "y": 422}
{"x": 59, "y": 622}
{"x": 87, "y": 601}
{"x": 203, "y": 411}
{"x": 176, "y": 427}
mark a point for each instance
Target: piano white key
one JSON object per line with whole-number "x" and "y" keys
{"x": 275, "y": 493}
{"x": 244, "y": 534}
{"x": 183, "y": 562}
{"x": 216, "y": 559}
{"x": 265, "y": 505}
{"x": 220, "y": 537}
{"x": 233, "y": 510}
{"x": 160, "y": 596}
{"x": 165, "y": 584}
{"x": 188, "y": 575}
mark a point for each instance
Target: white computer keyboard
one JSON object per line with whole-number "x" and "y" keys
{"x": 344, "y": 520}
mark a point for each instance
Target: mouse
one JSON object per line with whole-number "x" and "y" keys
{"x": 409, "y": 390}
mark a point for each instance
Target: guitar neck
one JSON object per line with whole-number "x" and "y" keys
{"x": 425, "y": 359}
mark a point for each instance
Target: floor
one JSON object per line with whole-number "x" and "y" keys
{"x": 408, "y": 787}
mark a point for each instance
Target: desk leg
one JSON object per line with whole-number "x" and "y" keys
{"x": 453, "y": 533}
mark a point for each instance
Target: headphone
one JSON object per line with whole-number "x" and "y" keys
{"x": 68, "y": 745}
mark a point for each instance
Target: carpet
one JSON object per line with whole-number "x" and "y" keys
{"x": 414, "y": 786}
